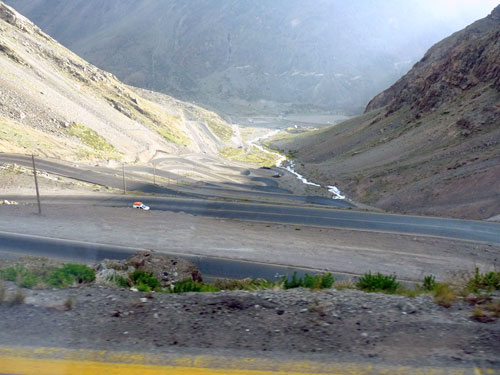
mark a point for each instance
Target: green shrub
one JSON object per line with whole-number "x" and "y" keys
{"x": 20, "y": 275}
{"x": 10, "y": 273}
{"x": 378, "y": 283}
{"x": 484, "y": 281}
{"x": 322, "y": 281}
{"x": 28, "y": 280}
{"x": 145, "y": 281}
{"x": 70, "y": 274}
{"x": 429, "y": 283}
{"x": 189, "y": 285}
{"x": 120, "y": 281}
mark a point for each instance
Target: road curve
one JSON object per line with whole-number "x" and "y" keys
{"x": 469, "y": 230}
{"x": 113, "y": 178}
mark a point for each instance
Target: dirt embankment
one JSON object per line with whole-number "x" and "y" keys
{"x": 335, "y": 325}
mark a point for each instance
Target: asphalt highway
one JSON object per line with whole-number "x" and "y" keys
{"x": 299, "y": 215}
{"x": 286, "y": 214}
{"x": 13, "y": 245}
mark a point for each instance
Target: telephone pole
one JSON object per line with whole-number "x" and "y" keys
{"x": 36, "y": 185}
{"x": 124, "y": 182}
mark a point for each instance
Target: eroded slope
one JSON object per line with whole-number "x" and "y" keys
{"x": 430, "y": 143}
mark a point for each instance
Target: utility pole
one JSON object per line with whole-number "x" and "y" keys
{"x": 36, "y": 186}
{"x": 154, "y": 173}
{"x": 124, "y": 182}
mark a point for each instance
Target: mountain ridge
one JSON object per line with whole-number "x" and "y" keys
{"x": 245, "y": 57}
{"x": 57, "y": 104}
{"x": 430, "y": 143}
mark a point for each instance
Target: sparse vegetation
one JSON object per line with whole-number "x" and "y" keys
{"x": 378, "y": 283}
{"x": 18, "y": 298}
{"x": 245, "y": 284}
{"x": 145, "y": 281}
{"x": 484, "y": 281}
{"x": 429, "y": 283}
{"x": 444, "y": 295}
{"x": 254, "y": 155}
{"x": 52, "y": 276}
{"x": 221, "y": 130}
{"x": 322, "y": 281}
{"x": 69, "y": 304}
{"x": 70, "y": 274}
{"x": 120, "y": 281}
{"x": 189, "y": 285}
{"x": 92, "y": 139}
{"x": 3, "y": 294}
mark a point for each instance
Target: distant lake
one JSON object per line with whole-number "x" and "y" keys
{"x": 299, "y": 119}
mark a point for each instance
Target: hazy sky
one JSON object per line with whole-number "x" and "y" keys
{"x": 465, "y": 11}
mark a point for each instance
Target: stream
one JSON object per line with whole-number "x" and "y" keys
{"x": 336, "y": 193}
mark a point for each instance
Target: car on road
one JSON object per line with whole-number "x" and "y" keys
{"x": 140, "y": 205}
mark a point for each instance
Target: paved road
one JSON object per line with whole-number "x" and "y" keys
{"x": 300, "y": 215}
{"x": 13, "y": 245}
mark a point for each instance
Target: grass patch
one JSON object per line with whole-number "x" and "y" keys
{"x": 189, "y": 285}
{"x": 145, "y": 281}
{"x": 378, "y": 283}
{"x": 90, "y": 137}
{"x": 54, "y": 277}
{"x": 254, "y": 155}
{"x": 323, "y": 281}
{"x": 70, "y": 274}
{"x": 484, "y": 281}
{"x": 172, "y": 136}
{"x": 220, "y": 129}
{"x": 444, "y": 295}
{"x": 120, "y": 281}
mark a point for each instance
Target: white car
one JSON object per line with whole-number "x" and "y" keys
{"x": 140, "y": 205}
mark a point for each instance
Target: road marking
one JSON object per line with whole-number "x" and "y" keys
{"x": 57, "y": 361}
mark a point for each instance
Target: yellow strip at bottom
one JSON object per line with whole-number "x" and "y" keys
{"x": 55, "y": 361}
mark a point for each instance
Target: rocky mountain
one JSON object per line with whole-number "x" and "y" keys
{"x": 247, "y": 56}
{"x": 430, "y": 144}
{"x": 56, "y": 104}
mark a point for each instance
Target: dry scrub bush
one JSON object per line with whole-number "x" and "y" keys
{"x": 444, "y": 295}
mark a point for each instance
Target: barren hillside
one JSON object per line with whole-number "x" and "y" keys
{"x": 430, "y": 143}
{"x": 248, "y": 56}
{"x": 54, "y": 103}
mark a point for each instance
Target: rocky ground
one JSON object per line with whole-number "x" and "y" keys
{"x": 343, "y": 325}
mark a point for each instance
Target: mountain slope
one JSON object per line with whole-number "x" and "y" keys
{"x": 54, "y": 103}
{"x": 430, "y": 143}
{"x": 246, "y": 56}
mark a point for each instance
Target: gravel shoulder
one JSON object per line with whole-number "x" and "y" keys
{"x": 329, "y": 325}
